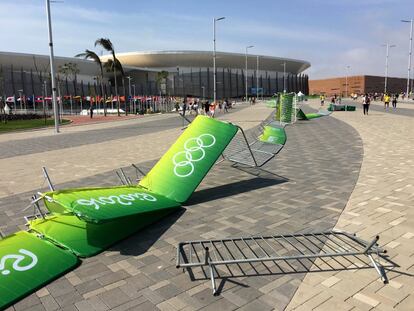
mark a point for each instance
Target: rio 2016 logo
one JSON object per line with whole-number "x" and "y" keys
{"x": 123, "y": 199}
{"x": 193, "y": 152}
{"x": 17, "y": 260}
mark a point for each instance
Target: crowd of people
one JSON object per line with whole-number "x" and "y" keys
{"x": 205, "y": 107}
{"x": 367, "y": 98}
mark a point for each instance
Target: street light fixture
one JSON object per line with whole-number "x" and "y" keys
{"x": 52, "y": 67}
{"x": 388, "y": 46}
{"x": 410, "y": 48}
{"x": 245, "y": 76}
{"x": 284, "y": 76}
{"x": 214, "y": 57}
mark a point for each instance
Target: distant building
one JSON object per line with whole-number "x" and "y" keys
{"x": 356, "y": 84}
{"x": 189, "y": 73}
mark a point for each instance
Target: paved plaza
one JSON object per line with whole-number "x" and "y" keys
{"x": 346, "y": 171}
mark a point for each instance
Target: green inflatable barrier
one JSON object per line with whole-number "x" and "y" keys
{"x": 301, "y": 115}
{"x": 88, "y": 239}
{"x": 171, "y": 181}
{"x": 286, "y": 106}
{"x": 313, "y": 115}
{"x": 89, "y": 220}
{"x": 271, "y": 103}
{"x": 105, "y": 204}
{"x": 188, "y": 161}
{"x": 273, "y": 135}
{"x": 28, "y": 263}
{"x": 308, "y": 116}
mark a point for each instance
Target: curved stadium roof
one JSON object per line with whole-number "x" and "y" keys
{"x": 170, "y": 59}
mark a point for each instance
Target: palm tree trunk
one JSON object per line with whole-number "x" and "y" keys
{"x": 103, "y": 96}
{"x": 116, "y": 91}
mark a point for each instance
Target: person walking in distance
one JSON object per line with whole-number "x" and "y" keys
{"x": 322, "y": 97}
{"x": 213, "y": 107}
{"x": 365, "y": 103}
{"x": 394, "y": 102}
{"x": 386, "y": 101}
{"x": 225, "y": 105}
{"x": 91, "y": 111}
{"x": 206, "y": 107}
{"x": 184, "y": 105}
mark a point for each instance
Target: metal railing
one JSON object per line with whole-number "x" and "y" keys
{"x": 283, "y": 247}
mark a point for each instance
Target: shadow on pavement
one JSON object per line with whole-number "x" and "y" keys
{"x": 228, "y": 190}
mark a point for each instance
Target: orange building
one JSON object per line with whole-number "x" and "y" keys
{"x": 356, "y": 84}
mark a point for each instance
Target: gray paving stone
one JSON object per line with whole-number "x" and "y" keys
{"x": 114, "y": 297}
{"x": 256, "y": 305}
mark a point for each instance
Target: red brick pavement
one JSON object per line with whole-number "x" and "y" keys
{"x": 81, "y": 120}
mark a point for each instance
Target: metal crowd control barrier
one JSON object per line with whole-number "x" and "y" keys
{"x": 240, "y": 150}
{"x": 241, "y": 250}
{"x": 254, "y": 154}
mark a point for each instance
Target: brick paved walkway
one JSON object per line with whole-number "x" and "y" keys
{"x": 382, "y": 203}
{"x": 307, "y": 191}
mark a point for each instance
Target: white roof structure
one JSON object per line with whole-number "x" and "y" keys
{"x": 171, "y": 59}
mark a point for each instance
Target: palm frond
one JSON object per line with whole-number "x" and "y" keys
{"x": 105, "y": 43}
{"x": 109, "y": 66}
{"x": 88, "y": 54}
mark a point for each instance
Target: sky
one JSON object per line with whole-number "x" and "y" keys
{"x": 330, "y": 34}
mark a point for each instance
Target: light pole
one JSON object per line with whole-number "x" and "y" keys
{"x": 257, "y": 76}
{"x": 346, "y": 81}
{"x": 129, "y": 91}
{"x": 284, "y": 76}
{"x": 245, "y": 76}
{"x": 214, "y": 58}
{"x": 386, "y": 64}
{"x": 203, "y": 88}
{"x": 133, "y": 102}
{"x": 52, "y": 67}
{"x": 410, "y": 48}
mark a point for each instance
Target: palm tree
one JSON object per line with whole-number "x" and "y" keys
{"x": 108, "y": 46}
{"x": 162, "y": 78}
{"x": 88, "y": 54}
{"x": 109, "y": 66}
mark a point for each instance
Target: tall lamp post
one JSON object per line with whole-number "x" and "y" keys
{"x": 257, "y": 76}
{"x": 245, "y": 76}
{"x": 129, "y": 91}
{"x": 410, "y": 48}
{"x": 52, "y": 67}
{"x": 133, "y": 101}
{"x": 214, "y": 58}
{"x": 346, "y": 81}
{"x": 388, "y": 46}
{"x": 284, "y": 76}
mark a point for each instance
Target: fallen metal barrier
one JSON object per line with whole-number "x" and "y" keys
{"x": 229, "y": 251}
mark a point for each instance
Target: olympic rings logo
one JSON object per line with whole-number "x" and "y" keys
{"x": 193, "y": 152}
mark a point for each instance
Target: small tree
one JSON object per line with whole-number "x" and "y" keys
{"x": 107, "y": 45}
{"x": 111, "y": 66}
{"x": 162, "y": 80}
{"x": 88, "y": 54}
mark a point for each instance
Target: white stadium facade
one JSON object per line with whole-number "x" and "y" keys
{"x": 190, "y": 73}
